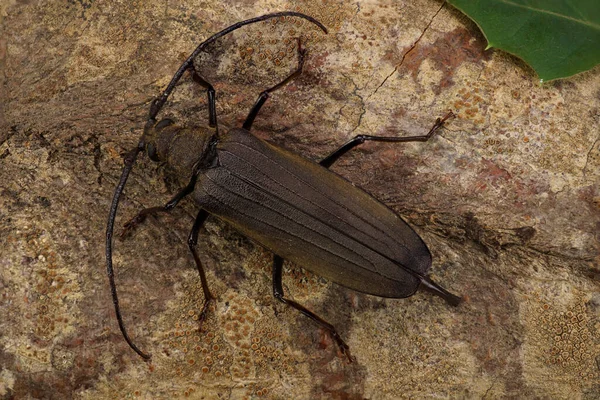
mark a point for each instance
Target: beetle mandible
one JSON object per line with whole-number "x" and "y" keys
{"x": 296, "y": 208}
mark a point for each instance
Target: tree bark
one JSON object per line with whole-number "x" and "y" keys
{"x": 506, "y": 196}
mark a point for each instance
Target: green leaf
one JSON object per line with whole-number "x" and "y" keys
{"x": 558, "y": 38}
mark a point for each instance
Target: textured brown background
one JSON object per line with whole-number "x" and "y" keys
{"x": 507, "y": 198}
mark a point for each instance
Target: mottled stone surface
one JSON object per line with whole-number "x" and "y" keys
{"x": 507, "y": 198}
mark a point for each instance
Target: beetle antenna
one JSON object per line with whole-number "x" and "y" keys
{"x": 128, "y": 160}
{"x": 158, "y": 103}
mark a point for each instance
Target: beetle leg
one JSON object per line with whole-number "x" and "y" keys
{"x": 212, "y": 107}
{"x": 262, "y": 98}
{"x": 171, "y": 204}
{"x": 192, "y": 242}
{"x": 278, "y": 293}
{"x": 360, "y": 139}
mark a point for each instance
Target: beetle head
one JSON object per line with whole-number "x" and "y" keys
{"x": 181, "y": 148}
{"x": 156, "y": 135}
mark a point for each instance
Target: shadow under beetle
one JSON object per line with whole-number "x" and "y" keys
{"x": 294, "y": 207}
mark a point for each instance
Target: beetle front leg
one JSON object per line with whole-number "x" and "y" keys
{"x": 171, "y": 204}
{"x": 262, "y": 98}
{"x": 278, "y": 293}
{"x": 212, "y": 102}
{"x": 360, "y": 139}
{"x": 192, "y": 242}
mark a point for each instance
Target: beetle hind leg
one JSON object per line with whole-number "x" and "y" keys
{"x": 360, "y": 139}
{"x": 278, "y": 293}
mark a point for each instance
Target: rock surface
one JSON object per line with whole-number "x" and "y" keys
{"x": 507, "y": 197}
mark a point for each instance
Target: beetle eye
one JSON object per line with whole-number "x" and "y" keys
{"x": 151, "y": 150}
{"x": 163, "y": 124}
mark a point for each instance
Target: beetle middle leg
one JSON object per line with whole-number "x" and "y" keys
{"x": 192, "y": 242}
{"x": 262, "y": 98}
{"x": 278, "y": 293}
{"x": 360, "y": 139}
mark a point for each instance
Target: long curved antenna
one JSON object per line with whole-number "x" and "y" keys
{"x": 158, "y": 103}
{"x": 130, "y": 158}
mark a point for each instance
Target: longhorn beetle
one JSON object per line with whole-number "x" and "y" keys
{"x": 294, "y": 207}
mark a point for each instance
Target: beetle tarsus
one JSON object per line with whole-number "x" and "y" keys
{"x": 278, "y": 294}
{"x": 133, "y": 223}
{"x": 192, "y": 242}
{"x": 262, "y": 98}
{"x": 170, "y": 205}
{"x": 438, "y": 124}
{"x": 205, "y": 309}
{"x": 360, "y": 139}
{"x": 344, "y": 348}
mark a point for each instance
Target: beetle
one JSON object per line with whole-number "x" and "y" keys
{"x": 298, "y": 209}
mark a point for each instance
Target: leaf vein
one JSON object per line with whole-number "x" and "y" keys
{"x": 555, "y": 14}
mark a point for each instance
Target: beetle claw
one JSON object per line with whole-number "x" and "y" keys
{"x": 302, "y": 52}
{"x": 344, "y": 348}
{"x": 204, "y": 312}
{"x": 130, "y": 225}
{"x": 349, "y": 356}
